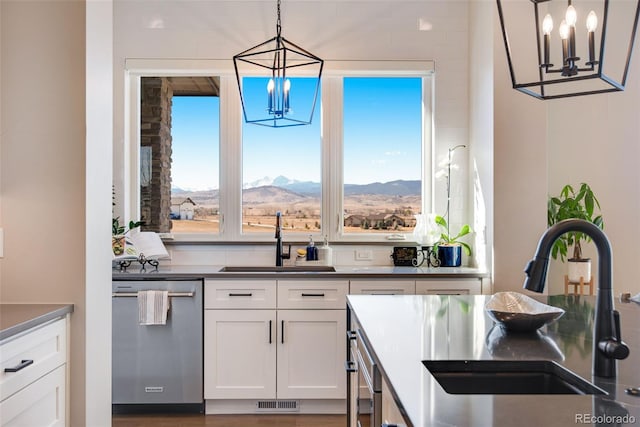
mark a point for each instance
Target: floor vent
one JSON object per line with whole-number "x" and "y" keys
{"x": 277, "y": 406}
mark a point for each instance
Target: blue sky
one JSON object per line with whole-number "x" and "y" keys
{"x": 382, "y": 136}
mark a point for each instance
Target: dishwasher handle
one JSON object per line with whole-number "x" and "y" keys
{"x": 135, "y": 294}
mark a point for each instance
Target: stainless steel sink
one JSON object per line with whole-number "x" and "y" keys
{"x": 273, "y": 269}
{"x": 507, "y": 377}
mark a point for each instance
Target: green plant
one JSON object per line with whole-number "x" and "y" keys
{"x": 117, "y": 229}
{"x": 568, "y": 205}
{"x": 447, "y": 239}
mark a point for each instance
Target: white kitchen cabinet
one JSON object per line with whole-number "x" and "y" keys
{"x": 471, "y": 286}
{"x": 268, "y": 341}
{"x": 35, "y": 393}
{"x": 382, "y": 287}
{"x": 391, "y": 414}
{"x": 240, "y": 354}
{"x": 311, "y": 354}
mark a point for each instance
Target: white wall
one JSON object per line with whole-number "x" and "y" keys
{"x": 480, "y": 166}
{"x": 43, "y": 165}
{"x": 542, "y": 145}
{"x": 596, "y": 140}
{"x": 99, "y": 141}
{"x": 375, "y": 30}
{"x": 519, "y": 174}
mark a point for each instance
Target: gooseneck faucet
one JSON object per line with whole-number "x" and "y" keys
{"x": 279, "y": 253}
{"x": 607, "y": 342}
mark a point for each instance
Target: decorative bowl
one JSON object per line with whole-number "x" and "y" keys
{"x": 517, "y": 312}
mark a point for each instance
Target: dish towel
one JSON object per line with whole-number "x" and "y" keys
{"x": 153, "y": 307}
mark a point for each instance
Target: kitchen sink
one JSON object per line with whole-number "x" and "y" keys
{"x": 507, "y": 377}
{"x": 283, "y": 269}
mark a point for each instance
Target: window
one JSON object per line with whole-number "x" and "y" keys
{"x": 281, "y": 170}
{"x": 382, "y": 146}
{"x": 195, "y": 129}
{"x": 179, "y": 150}
{"x": 359, "y": 172}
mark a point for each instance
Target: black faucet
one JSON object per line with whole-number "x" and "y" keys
{"x": 279, "y": 254}
{"x": 607, "y": 342}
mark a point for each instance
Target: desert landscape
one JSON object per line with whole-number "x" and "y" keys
{"x": 371, "y": 208}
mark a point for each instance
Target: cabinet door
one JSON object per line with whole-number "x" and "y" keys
{"x": 391, "y": 414}
{"x": 448, "y": 287}
{"x": 239, "y": 354}
{"x": 41, "y": 403}
{"x": 240, "y": 294}
{"x": 382, "y": 287}
{"x": 311, "y": 352}
{"x": 313, "y": 294}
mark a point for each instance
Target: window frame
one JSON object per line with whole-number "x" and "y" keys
{"x": 230, "y": 167}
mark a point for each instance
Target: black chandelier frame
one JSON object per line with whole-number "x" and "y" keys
{"x": 569, "y": 71}
{"x": 279, "y": 56}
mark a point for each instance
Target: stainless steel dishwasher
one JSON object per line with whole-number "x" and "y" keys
{"x": 158, "y": 368}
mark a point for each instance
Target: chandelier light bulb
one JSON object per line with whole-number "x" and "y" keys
{"x": 571, "y": 16}
{"x": 547, "y": 24}
{"x": 592, "y": 22}
{"x": 564, "y": 30}
{"x": 270, "y": 86}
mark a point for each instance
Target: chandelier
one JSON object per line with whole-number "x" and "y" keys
{"x": 564, "y": 48}
{"x": 278, "y": 81}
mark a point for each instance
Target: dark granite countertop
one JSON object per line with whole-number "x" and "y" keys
{"x": 405, "y": 330}
{"x": 168, "y": 271}
{"x": 16, "y": 318}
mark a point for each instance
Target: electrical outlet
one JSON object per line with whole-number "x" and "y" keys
{"x": 363, "y": 255}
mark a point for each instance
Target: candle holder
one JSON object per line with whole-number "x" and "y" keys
{"x": 426, "y": 254}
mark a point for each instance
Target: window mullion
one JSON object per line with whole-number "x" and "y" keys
{"x": 231, "y": 160}
{"x": 428, "y": 146}
{"x": 332, "y": 157}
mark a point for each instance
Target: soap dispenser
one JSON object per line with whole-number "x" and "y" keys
{"x": 325, "y": 253}
{"x": 312, "y": 251}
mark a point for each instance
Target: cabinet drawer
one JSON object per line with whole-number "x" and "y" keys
{"x": 234, "y": 294}
{"x": 323, "y": 294}
{"x": 42, "y": 403}
{"x": 448, "y": 287}
{"x": 382, "y": 287}
{"x": 45, "y": 345}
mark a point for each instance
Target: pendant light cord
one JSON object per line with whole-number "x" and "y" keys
{"x": 278, "y": 22}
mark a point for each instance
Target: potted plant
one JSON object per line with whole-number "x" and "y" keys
{"x": 449, "y": 248}
{"x": 118, "y": 233}
{"x": 580, "y": 205}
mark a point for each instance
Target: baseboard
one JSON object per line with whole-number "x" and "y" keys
{"x": 283, "y": 406}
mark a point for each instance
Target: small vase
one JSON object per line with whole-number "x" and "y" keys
{"x": 117, "y": 244}
{"x": 450, "y": 256}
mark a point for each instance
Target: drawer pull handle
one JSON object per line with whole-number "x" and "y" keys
{"x": 270, "y": 331}
{"x": 312, "y": 295}
{"x": 240, "y": 295}
{"x": 23, "y": 364}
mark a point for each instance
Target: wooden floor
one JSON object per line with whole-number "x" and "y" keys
{"x": 266, "y": 420}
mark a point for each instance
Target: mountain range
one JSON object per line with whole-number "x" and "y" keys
{"x": 282, "y": 189}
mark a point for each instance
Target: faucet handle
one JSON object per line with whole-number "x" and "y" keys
{"x": 615, "y": 349}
